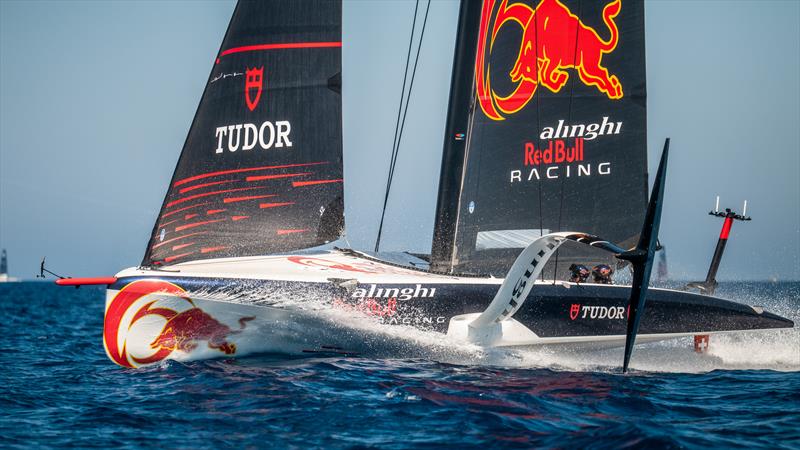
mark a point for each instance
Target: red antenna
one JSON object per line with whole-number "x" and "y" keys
{"x": 710, "y": 284}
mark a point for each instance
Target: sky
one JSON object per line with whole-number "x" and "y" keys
{"x": 96, "y": 99}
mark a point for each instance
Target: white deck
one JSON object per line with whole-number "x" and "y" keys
{"x": 309, "y": 267}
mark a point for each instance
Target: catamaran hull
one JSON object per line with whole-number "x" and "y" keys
{"x": 150, "y": 319}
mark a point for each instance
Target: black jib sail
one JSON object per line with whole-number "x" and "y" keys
{"x": 261, "y": 169}
{"x": 546, "y": 129}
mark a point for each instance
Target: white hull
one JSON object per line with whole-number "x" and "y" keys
{"x": 298, "y": 332}
{"x": 164, "y": 315}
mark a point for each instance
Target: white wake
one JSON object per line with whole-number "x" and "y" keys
{"x": 317, "y": 324}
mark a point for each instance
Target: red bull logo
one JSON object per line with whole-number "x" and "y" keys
{"x": 142, "y": 306}
{"x": 553, "y": 40}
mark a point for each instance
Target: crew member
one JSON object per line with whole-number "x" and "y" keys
{"x": 578, "y": 273}
{"x": 602, "y": 274}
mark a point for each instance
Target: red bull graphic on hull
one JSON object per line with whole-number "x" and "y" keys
{"x": 148, "y": 320}
{"x": 553, "y": 40}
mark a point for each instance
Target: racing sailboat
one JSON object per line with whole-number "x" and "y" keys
{"x": 545, "y": 132}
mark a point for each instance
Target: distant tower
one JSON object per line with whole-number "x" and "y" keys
{"x": 4, "y": 268}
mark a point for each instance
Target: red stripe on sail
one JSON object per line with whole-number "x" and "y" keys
{"x": 183, "y": 209}
{"x": 271, "y": 177}
{"x": 180, "y": 246}
{"x": 251, "y": 197}
{"x": 206, "y": 194}
{"x": 177, "y": 238}
{"x": 274, "y": 205}
{"x": 249, "y": 169}
{"x": 212, "y": 249}
{"x": 190, "y": 216}
{"x": 198, "y": 186}
{"x": 173, "y": 258}
{"x": 309, "y": 183}
{"x": 211, "y": 212}
{"x": 284, "y": 46}
{"x": 196, "y": 224}
{"x": 280, "y": 232}
{"x": 169, "y": 223}
{"x": 235, "y": 218}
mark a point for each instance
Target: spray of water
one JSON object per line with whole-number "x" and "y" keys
{"x": 315, "y": 323}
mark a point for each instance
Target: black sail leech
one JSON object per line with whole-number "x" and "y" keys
{"x": 261, "y": 168}
{"x": 553, "y": 131}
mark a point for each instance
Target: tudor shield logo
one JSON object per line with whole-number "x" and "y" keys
{"x": 253, "y": 85}
{"x": 574, "y": 310}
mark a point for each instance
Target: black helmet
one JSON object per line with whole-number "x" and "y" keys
{"x": 578, "y": 273}
{"x": 602, "y": 273}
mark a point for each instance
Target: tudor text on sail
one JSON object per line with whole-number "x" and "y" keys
{"x": 247, "y": 136}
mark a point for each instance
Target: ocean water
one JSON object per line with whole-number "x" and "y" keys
{"x": 58, "y": 389}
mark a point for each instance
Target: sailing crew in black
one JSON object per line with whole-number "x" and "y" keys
{"x": 602, "y": 274}
{"x": 579, "y": 273}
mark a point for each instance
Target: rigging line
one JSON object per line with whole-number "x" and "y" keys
{"x": 397, "y": 124}
{"x": 410, "y": 87}
{"x": 396, "y": 147}
{"x": 405, "y": 77}
{"x": 538, "y": 122}
{"x": 569, "y": 120}
{"x": 408, "y": 98}
{"x": 347, "y": 240}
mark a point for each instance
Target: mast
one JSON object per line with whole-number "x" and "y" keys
{"x": 459, "y": 111}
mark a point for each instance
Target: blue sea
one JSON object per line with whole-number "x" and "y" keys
{"x": 58, "y": 389}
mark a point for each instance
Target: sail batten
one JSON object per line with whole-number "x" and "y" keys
{"x": 261, "y": 169}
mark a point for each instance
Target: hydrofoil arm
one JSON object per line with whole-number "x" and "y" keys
{"x": 486, "y": 328}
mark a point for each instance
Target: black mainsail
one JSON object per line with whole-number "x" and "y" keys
{"x": 261, "y": 168}
{"x": 549, "y": 134}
